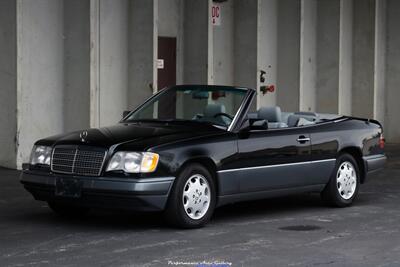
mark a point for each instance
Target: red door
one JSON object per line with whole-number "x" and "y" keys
{"x": 166, "y": 66}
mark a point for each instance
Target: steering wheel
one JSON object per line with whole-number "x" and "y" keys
{"x": 223, "y": 114}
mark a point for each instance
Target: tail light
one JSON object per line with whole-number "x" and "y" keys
{"x": 381, "y": 141}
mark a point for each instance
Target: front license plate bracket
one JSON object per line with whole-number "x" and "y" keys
{"x": 67, "y": 187}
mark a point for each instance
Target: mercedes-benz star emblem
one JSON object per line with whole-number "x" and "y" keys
{"x": 83, "y": 136}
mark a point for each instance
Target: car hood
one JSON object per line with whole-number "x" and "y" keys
{"x": 141, "y": 135}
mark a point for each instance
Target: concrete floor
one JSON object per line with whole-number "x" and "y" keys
{"x": 261, "y": 233}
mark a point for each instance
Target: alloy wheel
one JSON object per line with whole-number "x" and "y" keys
{"x": 346, "y": 180}
{"x": 196, "y": 196}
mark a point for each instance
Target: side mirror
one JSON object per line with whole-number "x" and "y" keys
{"x": 125, "y": 113}
{"x": 258, "y": 124}
{"x": 253, "y": 124}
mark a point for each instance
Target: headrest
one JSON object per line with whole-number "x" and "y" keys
{"x": 311, "y": 116}
{"x": 212, "y": 109}
{"x": 271, "y": 114}
{"x": 293, "y": 120}
{"x": 252, "y": 115}
{"x": 307, "y": 113}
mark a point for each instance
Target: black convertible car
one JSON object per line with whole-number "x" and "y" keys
{"x": 191, "y": 148}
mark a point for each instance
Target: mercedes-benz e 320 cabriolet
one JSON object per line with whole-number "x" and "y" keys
{"x": 189, "y": 149}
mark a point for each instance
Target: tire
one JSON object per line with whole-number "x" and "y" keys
{"x": 342, "y": 188}
{"x": 191, "y": 209}
{"x": 68, "y": 210}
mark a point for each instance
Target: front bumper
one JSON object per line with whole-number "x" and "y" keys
{"x": 145, "y": 194}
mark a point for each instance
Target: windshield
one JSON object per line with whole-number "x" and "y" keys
{"x": 211, "y": 104}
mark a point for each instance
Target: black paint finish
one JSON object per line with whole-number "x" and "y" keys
{"x": 246, "y": 164}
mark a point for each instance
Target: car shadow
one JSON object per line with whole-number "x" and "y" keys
{"x": 138, "y": 221}
{"x": 285, "y": 206}
{"x": 269, "y": 207}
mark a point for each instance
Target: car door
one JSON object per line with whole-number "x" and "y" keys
{"x": 274, "y": 159}
{"x": 325, "y": 146}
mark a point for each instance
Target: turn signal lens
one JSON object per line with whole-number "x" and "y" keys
{"x": 149, "y": 162}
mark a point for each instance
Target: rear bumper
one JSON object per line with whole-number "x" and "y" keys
{"x": 147, "y": 194}
{"x": 374, "y": 163}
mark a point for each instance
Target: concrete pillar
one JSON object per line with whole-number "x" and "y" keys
{"x": 363, "y": 58}
{"x": 113, "y": 60}
{"x": 392, "y": 118}
{"x": 197, "y": 36}
{"x": 259, "y": 27}
{"x": 76, "y": 65}
{"x": 142, "y": 49}
{"x": 40, "y": 74}
{"x": 328, "y": 24}
{"x": 8, "y": 80}
{"x": 123, "y": 57}
{"x": 267, "y": 48}
{"x": 288, "y": 79}
{"x": 380, "y": 60}
{"x": 308, "y": 54}
{"x": 345, "y": 57}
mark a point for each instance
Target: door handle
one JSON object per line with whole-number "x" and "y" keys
{"x": 302, "y": 139}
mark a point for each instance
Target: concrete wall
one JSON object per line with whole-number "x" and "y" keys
{"x": 267, "y": 48}
{"x": 170, "y": 24}
{"x": 308, "y": 55}
{"x": 142, "y": 47}
{"x": 223, "y": 44}
{"x": 330, "y": 56}
{"x": 380, "y": 61}
{"x": 288, "y": 79}
{"x": 245, "y": 39}
{"x": 345, "y": 57}
{"x": 40, "y": 72}
{"x": 363, "y": 58}
{"x": 76, "y": 65}
{"x": 392, "y": 118}
{"x": 196, "y": 42}
{"x": 113, "y": 46}
{"x": 8, "y": 95}
{"x": 328, "y": 24}
{"x": 169, "y": 17}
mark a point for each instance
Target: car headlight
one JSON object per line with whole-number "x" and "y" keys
{"x": 133, "y": 162}
{"x": 41, "y": 155}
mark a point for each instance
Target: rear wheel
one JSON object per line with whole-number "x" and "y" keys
{"x": 192, "y": 199}
{"x": 67, "y": 210}
{"x": 344, "y": 183}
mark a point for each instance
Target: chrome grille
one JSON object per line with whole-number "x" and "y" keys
{"x": 78, "y": 160}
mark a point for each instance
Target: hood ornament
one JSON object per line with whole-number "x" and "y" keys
{"x": 83, "y": 135}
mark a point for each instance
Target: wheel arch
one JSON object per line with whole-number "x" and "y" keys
{"x": 356, "y": 153}
{"x": 206, "y": 162}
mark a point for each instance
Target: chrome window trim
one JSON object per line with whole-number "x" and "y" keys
{"x": 243, "y": 109}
